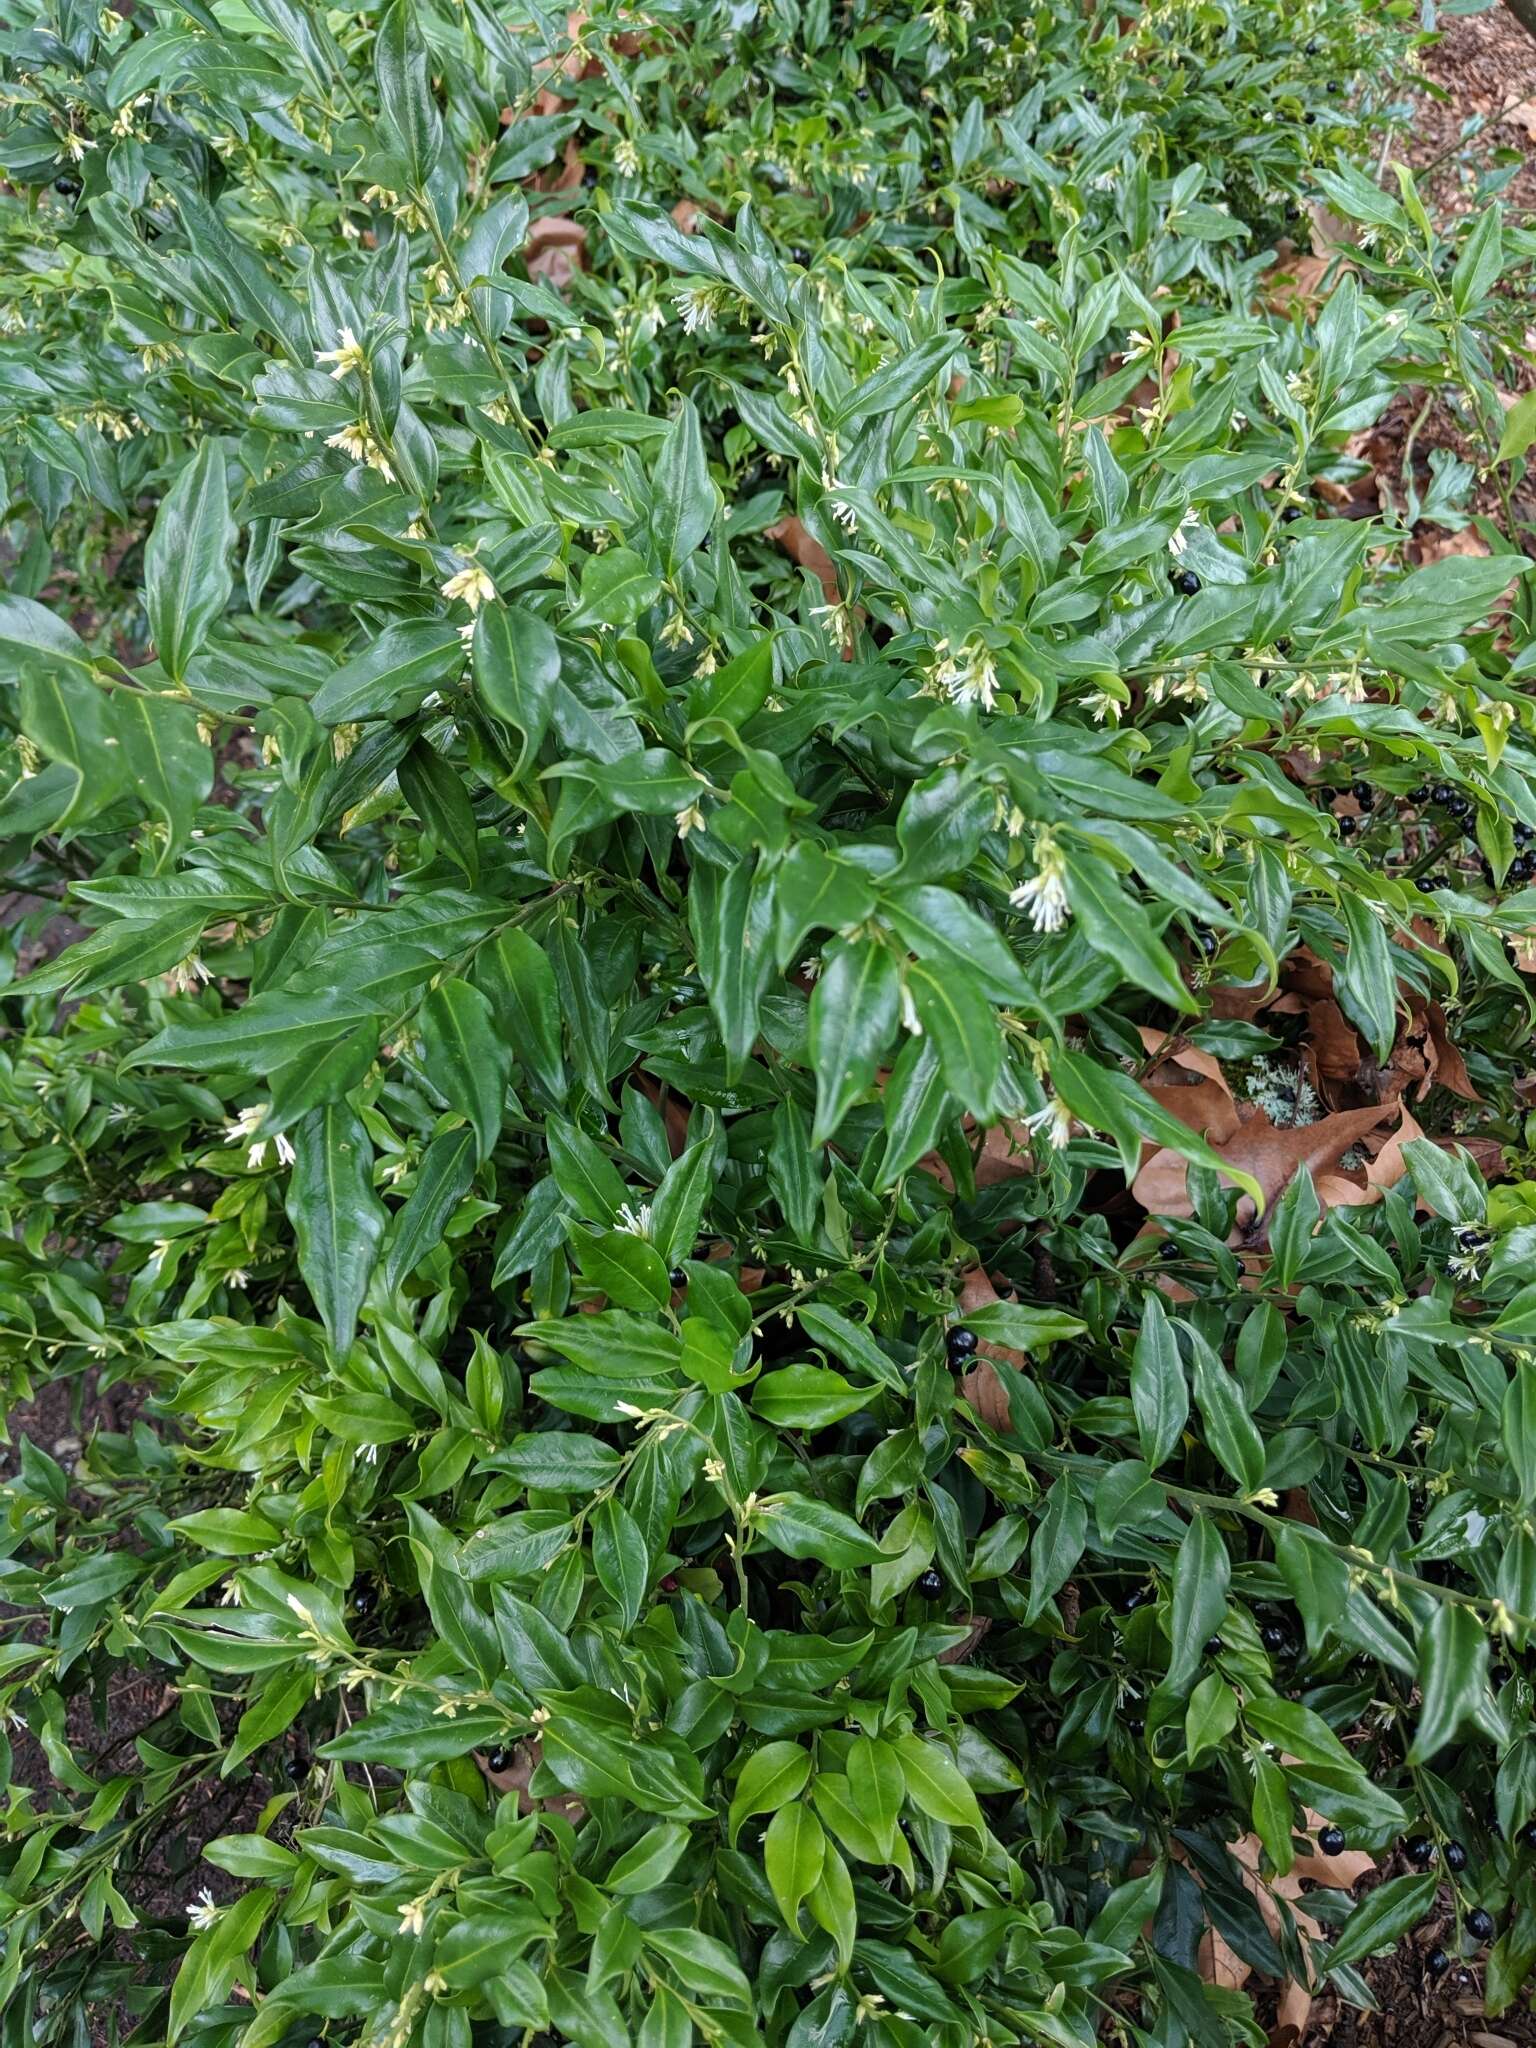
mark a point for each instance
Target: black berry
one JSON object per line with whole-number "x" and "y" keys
{"x": 66, "y": 187}
{"x": 365, "y": 1597}
{"x": 1090, "y": 95}
{"x": 1330, "y": 1840}
{"x": 1480, "y": 1924}
{"x": 1309, "y": 117}
{"x": 1437, "y": 1962}
{"x": 1442, "y": 792}
{"x": 589, "y": 176}
{"x": 678, "y": 1277}
{"x": 1363, "y": 794}
{"x": 1137, "y": 1597}
{"x": 498, "y": 1759}
{"x": 296, "y": 1767}
{"x": 1525, "y": 1838}
{"x": 1313, "y": 48}
{"x": 960, "y": 1344}
{"x": 1348, "y": 827}
{"x": 1421, "y": 1852}
{"x": 1273, "y": 1636}
{"x": 862, "y": 93}
{"x": 1455, "y": 1856}
{"x": 1214, "y": 1647}
{"x": 1187, "y": 581}
{"x": 1429, "y": 883}
{"x": 1332, "y": 85}
{"x": 1518, "y": 869}
{"x": 931, "y": 1584}
{"x": 1291, "y": 514}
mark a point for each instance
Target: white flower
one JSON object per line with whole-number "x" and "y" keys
{"x": 1102, "y": 705}
{"x": 634, "y": 1222}
{"x": 1178, "y": 540}
{"x": 689, "y": 819}
{"x": 966, "y": 677}
{"x": 699, "y": 305}
{"x": 183, "y": 978}
{"x": 1044, "y": 895}
{"x": 1055, "y": 1121}
{"x": 626, "y": 158}
{"x": 75, "y": 146}
{"x": 841, "y": 619}
{"x": 347, "y": 358}
{"x": 910, "y": 1020}
{"x": 202, "y": 1913}
{"x": 412, "y": 1917}
{"x": 358, "y": 442}
{"x": 472, "y": 584}
{"x": 238, "y": 1278}
{"x": 244, "y": 1130}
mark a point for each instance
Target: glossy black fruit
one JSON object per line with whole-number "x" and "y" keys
{"x": 931, "y": 1584}
{"x": 498, "y": 1759}
{"x": 1429, "y": 883}
{"x": 1480, "y": 1924}
{"x": 1309, "y": 117}
{"x": 1348, "y": 827}
{"x": 1090, "y": 95}
{"x": 1332, "y": 85}
{"x": 1442, "y": 792}
{"x": 862, "y": 93}
{"x": 1437, "y": 1962}
{"x": 960, "y": 1344}
{"x": 1273, "y": 1635}
{"x": 678, "y": 1277}
{"x": 1187, "y": 581}
{"x": 66, "y": 187}
{"x": 589, "y": 176}
{"x": 1519, "y": 868}
{"x": 1472, "y": 1239}
{"x": 1137, "y": 1597}
{"x": 1421, "y": 1852}
{"x": 1313, "y": 48}
{"x": 1291, "y": 514}
{"x": 1455, "y": 1856}
{"x": 800, "y": 256}
{"x": 1330, "y": 1840}
{"x": 296, "y": 1767}
{"x": 1525, "y": 1838}
{"x": 1214, "y": 1647}
{"x": 1363, "y": 794}
{"x": 365, "y": 1597}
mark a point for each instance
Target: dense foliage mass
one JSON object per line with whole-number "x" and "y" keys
{"x": 787, "y": 1101}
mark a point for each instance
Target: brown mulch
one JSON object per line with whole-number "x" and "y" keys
{"x": 1483, "y": 68}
